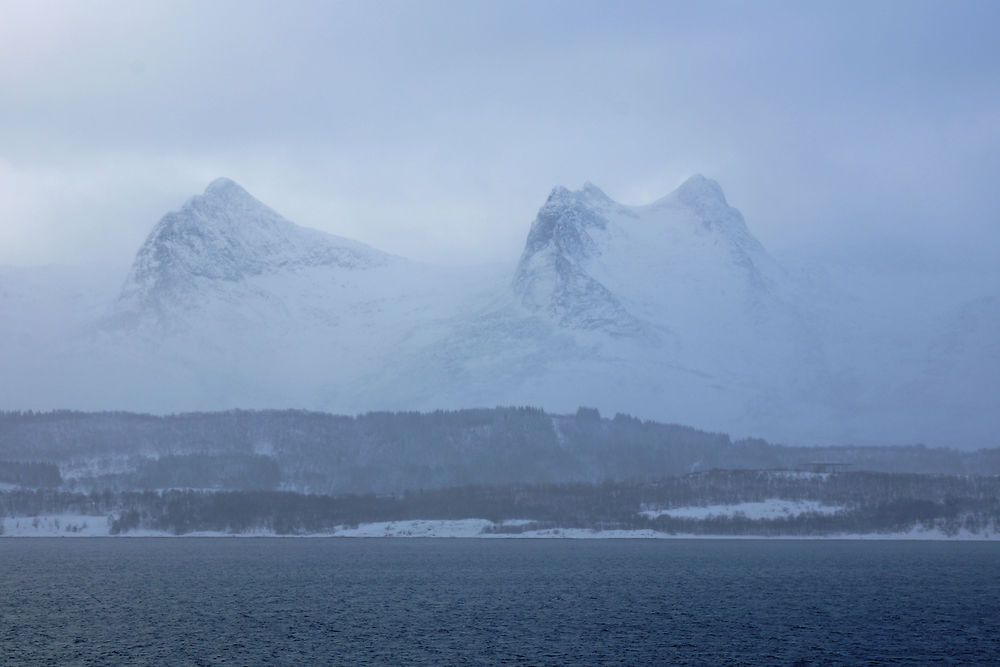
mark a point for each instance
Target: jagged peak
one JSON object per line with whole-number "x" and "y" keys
{"x": 593, "y": 192}
{"x": 223, "y": 208}
{"x": 559, "y": 193}
{"x": 697, "y": 188}
{"x": 697, "y": 191}
{"x": 588, "y": 191}
{"x": 224, "y": 194}
{"x": 588, "y": 197}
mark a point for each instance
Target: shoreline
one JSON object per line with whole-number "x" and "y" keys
{"x": 84, "y": 526}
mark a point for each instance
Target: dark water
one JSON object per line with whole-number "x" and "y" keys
{"x": 340, "y": 601}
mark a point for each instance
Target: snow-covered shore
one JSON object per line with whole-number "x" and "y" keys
{"x": 74, "y": 525}
{"x": 773, "y": 508}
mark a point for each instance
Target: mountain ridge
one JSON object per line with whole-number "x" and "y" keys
{"x": 671, "y": 310}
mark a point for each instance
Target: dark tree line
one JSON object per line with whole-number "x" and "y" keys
{"x": 29, "y": 473}
{"x": 868, "y": 502}
{"x": 388, "y": 452}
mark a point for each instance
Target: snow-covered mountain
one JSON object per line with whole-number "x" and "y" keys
{"x": 684, "y": 268}
{"x": 242, "y": 308}
{"x": 595, "y": 264}
{"x": 221, "y": 240}
{"x": 671, "y": 311}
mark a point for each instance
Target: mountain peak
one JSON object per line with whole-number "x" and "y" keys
{"x": 552, "y": 275}
{"x": 594, "y": 193}
{"x": 588, "y": 194}
{"x": 586, "y": 254}
{"x": 222, "y": 186}
{"x": 224, "y": 202}
{"x": 558, "y": 194}
{"x": 705, "y": 199}
{"x": 226, "y": 236}
{"x": 698, "y": 189}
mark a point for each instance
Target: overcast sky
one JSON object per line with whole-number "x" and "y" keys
{"x": 435, "y": 130}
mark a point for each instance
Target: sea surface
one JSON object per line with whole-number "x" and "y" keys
{"x": 234, "y": 601}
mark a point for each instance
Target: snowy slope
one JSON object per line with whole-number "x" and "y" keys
{"x": 45, "y": 301}
{"x": 672, "y": 309}
{"x": 45, "y": 312}
{"x": 228, "y": 305}
{"x": 959, "y": 381}
{"x": 913, "y": 354}
{"x": 242, "y": 308}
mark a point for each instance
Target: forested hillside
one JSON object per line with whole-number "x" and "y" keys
{"x": 395, "y": 452}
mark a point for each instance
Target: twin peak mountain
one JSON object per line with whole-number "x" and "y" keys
{"x": 670, "y": 311}
{"x": 589, "y": 263}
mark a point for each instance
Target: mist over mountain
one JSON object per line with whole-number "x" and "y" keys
{"x": 671, "y": 311}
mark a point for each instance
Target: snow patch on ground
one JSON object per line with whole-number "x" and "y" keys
{"x": 76, "y": 525}
{"x": 418, "y": 528}
{"x": 799, "y": 474}
{"x": 772, "y": 508}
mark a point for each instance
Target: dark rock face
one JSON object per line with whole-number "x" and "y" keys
{"x": 552, "y": 276}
